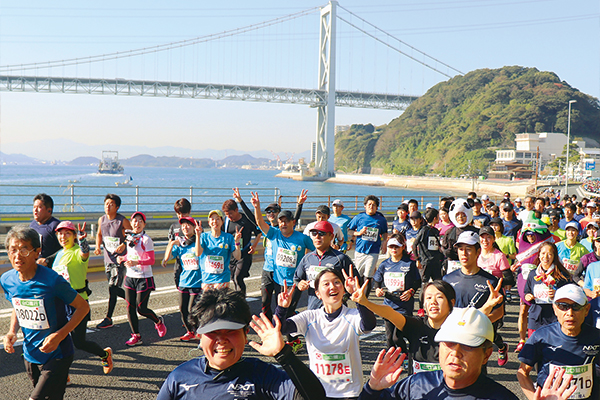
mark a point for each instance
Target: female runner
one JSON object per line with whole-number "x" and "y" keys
{"x": 139, "y": 282}
{"x": 72, "y": 264}
{"x": 438, "y": 299}
{"x": 331, "y": 333}
{"x": 542, "y": 284}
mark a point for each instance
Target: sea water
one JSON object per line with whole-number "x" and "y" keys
{"x": 158, "y": 187}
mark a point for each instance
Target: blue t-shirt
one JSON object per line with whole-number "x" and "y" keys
{"x": 342, "y": 221}
{"x": 398, "y": 277}
{"x": 471, "y": 288}
{"x": 38, "y": 321}
{"x": 512, "y": 227}
{"x": 287, "y": 253}
{"x": 563, "y": 222}
{"x": 215, "y": 257}
{"x": 269, "y": 263}
{"x": 431, "y": 385}
{"x": 191, "y": 275}
{"x": 376, "y": 225}
{"x": 401, "y": 227}
{"x": 249, "y": 378}
{"x": 549, "y": 345}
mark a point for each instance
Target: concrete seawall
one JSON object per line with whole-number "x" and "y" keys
{"x": 453, "y": 186}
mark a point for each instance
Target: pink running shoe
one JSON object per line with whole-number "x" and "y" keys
{"x": 188, "y": 337}
{"x": 161, "y": 327}
{"x": 134, "y": 340}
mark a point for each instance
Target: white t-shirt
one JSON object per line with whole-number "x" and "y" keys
{"x": 333, "y": 349}
{"x": 144, "y": 245}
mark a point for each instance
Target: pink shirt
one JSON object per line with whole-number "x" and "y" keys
{"x": 493, "y": 263}
{"x": 443, "y": 228}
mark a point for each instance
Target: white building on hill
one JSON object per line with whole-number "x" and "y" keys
{"x": 526, "y": 146}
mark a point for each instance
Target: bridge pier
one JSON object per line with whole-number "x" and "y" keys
{"x": 325, "y": 143}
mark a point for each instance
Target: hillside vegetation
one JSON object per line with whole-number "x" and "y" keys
{"x": 464, "y": 120}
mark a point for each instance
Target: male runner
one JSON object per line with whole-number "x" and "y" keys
{"x": 111, "y": 234}
{"x": 45, "y": 225}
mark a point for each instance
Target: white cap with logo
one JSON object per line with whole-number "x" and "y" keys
{"x": 466, "y": 326}
{"x": 467, "y": 237}
{"x": 572, "y": 292}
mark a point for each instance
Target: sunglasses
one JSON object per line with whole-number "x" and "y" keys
{"x": 566, "y": 306}
{"x": 271, "y": 211}
{"x": 317, "y": 233}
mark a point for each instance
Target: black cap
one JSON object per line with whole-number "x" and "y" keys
{"x": 323, "y": 209}
{"x": 486, "y": 230}
{"x": 403, "y": 207}
{"x": 506, "y": 206}
{"x": 497, "y": 221}
{"x": 415, "y": 215}
{"x": 274, "y": 207}
{"x": 286, "y": 214}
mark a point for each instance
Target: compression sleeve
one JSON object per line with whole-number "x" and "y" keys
{"x": 307, "y": 384}
{"x": 249, "y": 213}
{"x": 298, "y": 212}
{"x": 147, "y": 258}
{"x": 287, "y": 325}
{"x": 368, "y": 321}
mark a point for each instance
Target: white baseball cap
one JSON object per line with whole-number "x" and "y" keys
{"x": 394, "y": 242}
{"x": 571, "y": 292}
{"x": 466, "y": 326}
{"x": 467, "y": 237}
{"x": 485, "y": 197}
{"x": 572, "y": 225}
{"x": 429, "y": 205}
{"x": 337, "y": 202}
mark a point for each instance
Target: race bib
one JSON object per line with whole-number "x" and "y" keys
{"x": 569, "y": 265}
{"x": 136, "y": 269}
{"x": 540, "y": 292}
{"x": 31, "y": 313}
{"x": 189, "y": 261}
{"x": 582, "y": 379}
{"x": 394, "y": 281}
{"x": 332, "y": 368}
{"x": 63, "y": 271}
{"x": 371, "y": 235}
{"x": 214, "y": 264}
{"x": 419, "y": 366}
{"x": 312, "y": 273}
{"x": 432, "y": 244}
{"x": 453, "y": 265}
{"x": 286, "y": 258}
{"x": 526, "y": 269}
{"x": 596, "y": 284}
{"x": 111, "y": 243}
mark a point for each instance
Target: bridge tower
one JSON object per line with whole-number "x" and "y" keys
{"x": 325, "y": 146}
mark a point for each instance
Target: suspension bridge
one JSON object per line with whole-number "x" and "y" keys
{"x": 325, "y": 97}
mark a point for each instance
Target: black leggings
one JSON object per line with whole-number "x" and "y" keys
{"x": 80, "y": 342}
{"x": 137, "y": 303}
{"x": 186, "y": 302}
{"x": 113, "y": 293}
{"x": 239, "y": 271}
{"x": 267, "y": 287}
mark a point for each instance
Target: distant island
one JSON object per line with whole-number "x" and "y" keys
{"x": 146, "y": 160}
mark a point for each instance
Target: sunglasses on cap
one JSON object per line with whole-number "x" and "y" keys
{"x": 317, "y": 233}
{"x": 566, "y": 306}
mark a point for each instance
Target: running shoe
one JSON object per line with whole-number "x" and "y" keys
{"x": 421, "y": 312}
{"x": 296, "y": 345}
{"x": 503, "y": 355}
{"x": 520, "y": 346}
{"x": 161, "y": 327}
{"x": 134, "y": 340}
{"x": 69, "y": 383}
{"x": 106, "y": 323}
{"x": 189, "y": 336}
{"x": 107, "y": 361}
{"x": 508, "y": 296}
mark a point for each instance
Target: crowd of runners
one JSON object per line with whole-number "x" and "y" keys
{"x": 445, "y": 272}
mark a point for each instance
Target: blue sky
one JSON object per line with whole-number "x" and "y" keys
{"x": 553, "y": 35}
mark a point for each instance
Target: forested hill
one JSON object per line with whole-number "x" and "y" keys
{"x": 466, "y": 119}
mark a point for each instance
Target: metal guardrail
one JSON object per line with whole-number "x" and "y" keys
{"x": 76, "y": 198}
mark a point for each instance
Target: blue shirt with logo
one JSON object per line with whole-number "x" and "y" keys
{"x": 55, "y": 293}
{"x": 216, "y": 255}
{"x": 471, "y": 288}
{"x": 376, "y": 225}
{"x": 287, "y": 253}
{"x": 191, "y": 275}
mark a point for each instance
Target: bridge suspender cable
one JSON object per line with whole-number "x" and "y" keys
{"x": 400, "y": 41}
{"x": 158, "y": 48}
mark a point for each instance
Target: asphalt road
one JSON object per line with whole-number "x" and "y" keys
{"x": 140, "y": 371}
